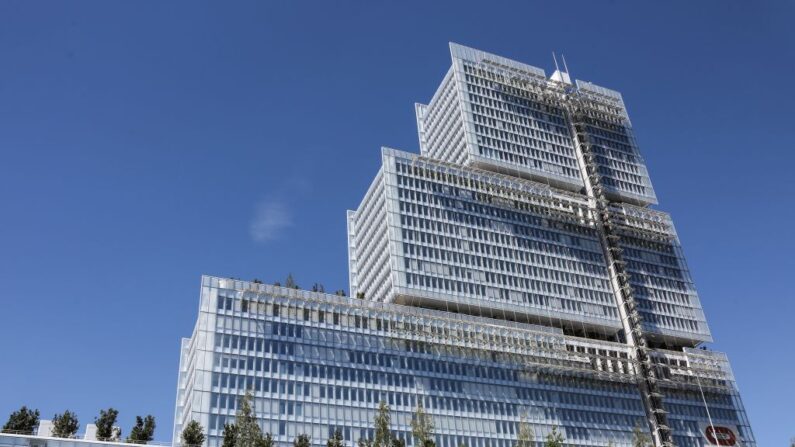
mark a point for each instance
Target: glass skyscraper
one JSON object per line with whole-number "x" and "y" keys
{"x": 511, "y": 271}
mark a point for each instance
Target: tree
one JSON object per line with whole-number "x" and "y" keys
{"x": 301, "y": 440}
{"x": 340, "y": 292}
{"x": 143, "y": 431}
{"x": 23, "y": 420}
{"x": 383, "y": 434}
{"x": 362, "y": 442}
{"x": 65, "y": 425}
{"x": 266, "y": 441}
{"x": 397, "y": 442}
{"x": 639, "y": 438}
{"x": 248, "y": 431}
{"x": 336, "y": 439}
{"x": 192, "y": 434}
{"x": 524, "y": 435}
{"x": 290, "y": 282}
{"x": 230, "y": 435}
{"x": 554, "y": 439}
{"x": 360, "y": 295}
{"x": 317, "y": 287}
{"x": 105, "y": 429}
{"x": 422, "y": 427}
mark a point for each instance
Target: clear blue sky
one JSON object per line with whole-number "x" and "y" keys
{"x": 145, "y": 143}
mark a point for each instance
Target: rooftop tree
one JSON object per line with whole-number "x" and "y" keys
{"x": 554, "y": 439}
{"x": 230, "y": 435}
{"x": 266, "y": 441}
{"x": 23, "y": 420}
{"x": 336, "y": 439}
{"x": 639, "y": 438}
{"x": 422, "y": 427}
{"x": 143, "y": 431}
{"x": 192, "y": 434}
{"x": 65, "y": 425}
{"x": 290, "y": 282}
{"x": 248, "y": 431}
{"x": 105, "y": 425}
{"x": 302, "y": 440}
{"x": 382, "y": 422}
{"x": 524, "y": 435}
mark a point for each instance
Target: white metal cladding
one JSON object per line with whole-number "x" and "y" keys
{"x": 317, "y": 362}
{"x": 504, "y": 115}
{"x": 482, "y": 240}
{"x": 518, "y": 241}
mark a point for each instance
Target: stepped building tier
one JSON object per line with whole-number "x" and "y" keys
{"x": 316, "y": 363}
{"x": 509, "y": 276}
{"x": 506, "y": 116}
{"x": 450, "y": 237}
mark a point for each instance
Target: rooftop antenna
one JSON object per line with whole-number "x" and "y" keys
{"x": 556, "y": 61}
{"x": 565, "y": 67}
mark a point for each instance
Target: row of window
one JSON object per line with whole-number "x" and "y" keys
{"x": 531, "y": 347}
{"x": 439, "y": 392}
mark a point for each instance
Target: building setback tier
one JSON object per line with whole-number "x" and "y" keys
{"x": 435, "y": 234}
{"x": 318, "y": 362}
{"x": 506, "y": 116}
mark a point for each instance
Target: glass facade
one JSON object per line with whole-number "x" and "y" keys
{"x": 318, "y": 362}
{"x": 488, "y": 241}
{"x": 512, "y": 270}
{"x": 505, "y": 116}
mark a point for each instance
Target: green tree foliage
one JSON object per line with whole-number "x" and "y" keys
{"x": 639, "y": 438}
{"x": 340, "y": 292}
{"x": 65, "y": 425}
{"x": 317, "y": 287}
{"x": 524, "y": 434}
{"x": 301, "y": 440}
{"x": 422, "y": 427}
{"x": 245, "y": 432}
{"x": 554, "y": 439}
{"x": 381, "y": 424}
{"x": 397, "y": 442}
{"x": 230, "y": 435}
{"x": 105, "y": 423}
{"x": 290, "y": 282}
{"x": 266, "y": 441}
{"x": 360, "y": 295}
{"x": 336, "y": 439}
{"x": 248, "y": 431}
{"x": 23, "y": 420}
{"x": 143, "y": 431}
{"x": 192, "y": 434}
{"x": 362, "y": 442}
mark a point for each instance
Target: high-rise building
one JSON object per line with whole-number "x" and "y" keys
{"x": 511, "y": 275}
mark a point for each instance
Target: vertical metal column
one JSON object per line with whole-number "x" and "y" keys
{"x": 631, "y": 319}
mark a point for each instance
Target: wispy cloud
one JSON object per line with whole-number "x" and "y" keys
{"x": 271, "y": 217}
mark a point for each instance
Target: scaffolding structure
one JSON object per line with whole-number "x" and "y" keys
{"x": 534, "y": 348}
{"x": 584, "y": 109}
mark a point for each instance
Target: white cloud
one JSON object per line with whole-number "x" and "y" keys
{"x": 270, "y": 218}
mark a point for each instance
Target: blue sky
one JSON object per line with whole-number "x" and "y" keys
{"x": 145, "y": 143}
